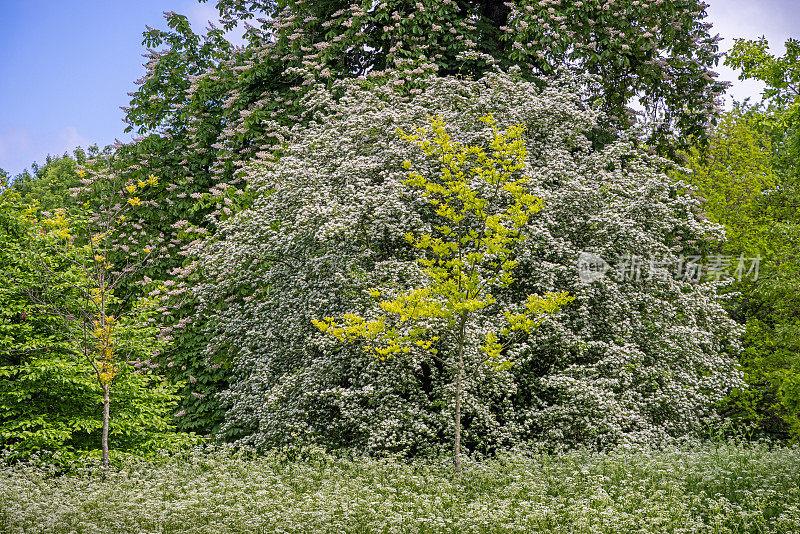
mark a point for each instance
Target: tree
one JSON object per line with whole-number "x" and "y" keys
{"x": 638, "y": 356}
{"x": 660, "y": 52}
{"x": 49, "y": 399}
{"x": 781, "y": 97}
{"x": 733, "y": 174}
{"x": 78, "y": 281}
{"x": 29, "y": 350}
{"x": 773, "y": 324}
{"x": 780, "y": 74}
{"x": 471, "y": 257}
{"x": 751, "y": 184}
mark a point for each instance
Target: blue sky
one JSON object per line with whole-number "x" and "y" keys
{"x": 66, "y": 66}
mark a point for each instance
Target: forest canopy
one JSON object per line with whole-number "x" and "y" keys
{"x": 166, "y": 291}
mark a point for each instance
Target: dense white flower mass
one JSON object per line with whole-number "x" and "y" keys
{"x": 639, "y": 358}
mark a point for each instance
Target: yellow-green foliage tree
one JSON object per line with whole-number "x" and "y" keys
{"x": 480, "y": 199}
{"x": 766, "y": 176}
{"x": 732, "y": 174}
{"x": 746, "y": 189}
{"x": 80, "y": 267}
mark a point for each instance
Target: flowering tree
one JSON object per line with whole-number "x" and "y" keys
{"x": 206, "y": 107}
{"x": 631, "y": 359}
{"x": 661, "y": 52}
{"x": 471, "y": 257}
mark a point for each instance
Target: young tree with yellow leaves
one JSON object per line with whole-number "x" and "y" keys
{"x": 480, "y": 199}
{"x": 80, "y": 264}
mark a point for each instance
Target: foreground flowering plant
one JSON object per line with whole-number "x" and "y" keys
{"x": 713, "y": 488}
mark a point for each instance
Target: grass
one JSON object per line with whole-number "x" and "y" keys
{"x": 713, "y": 488}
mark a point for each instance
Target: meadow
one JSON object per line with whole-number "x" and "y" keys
{"x": 715, "y": 488}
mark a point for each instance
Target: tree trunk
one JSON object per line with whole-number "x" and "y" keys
{"x": 497, "y": 12}
{"x": 459, "y": 376}
{"x": 106, "y": 417}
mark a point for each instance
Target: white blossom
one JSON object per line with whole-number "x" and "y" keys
{"x": 628, "y": 362}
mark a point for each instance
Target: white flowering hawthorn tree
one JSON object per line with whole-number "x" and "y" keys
{"x": 207, "y": 107}
{"x": 632, "y": 359}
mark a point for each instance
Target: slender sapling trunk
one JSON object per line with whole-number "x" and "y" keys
{"x": 106, "y": 416}
{"x": 459, "y": 376}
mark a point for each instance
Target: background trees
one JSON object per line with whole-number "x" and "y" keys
{"x": 207, "y": 108}
{"x": 280, "y": 199}
{"x": 659, "y": 51}
{"x": 49, "y": 185}
{"x": 751, "y": 183}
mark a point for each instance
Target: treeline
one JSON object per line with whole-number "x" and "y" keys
{"x": 167, "y": 290}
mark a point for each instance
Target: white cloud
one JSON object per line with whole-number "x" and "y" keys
{"x": 71, "y": 139}
{"x": 199, "y": 16}
{"x": 19, "y": 147}
{"x": 750, "y": 19}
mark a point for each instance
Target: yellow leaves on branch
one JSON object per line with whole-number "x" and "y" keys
{"x": 59, "y": 225}
{"x": 536, "y": 308}
{"x": 353, "y": 328}
{"x": 106, "y": 371}
{"x": 381, "y": 339}
{"x": 454, "y": 194}
{"x": 140, "y": 185}
{"x": 103, "y": 335}
{"x": 472, "y": 251}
